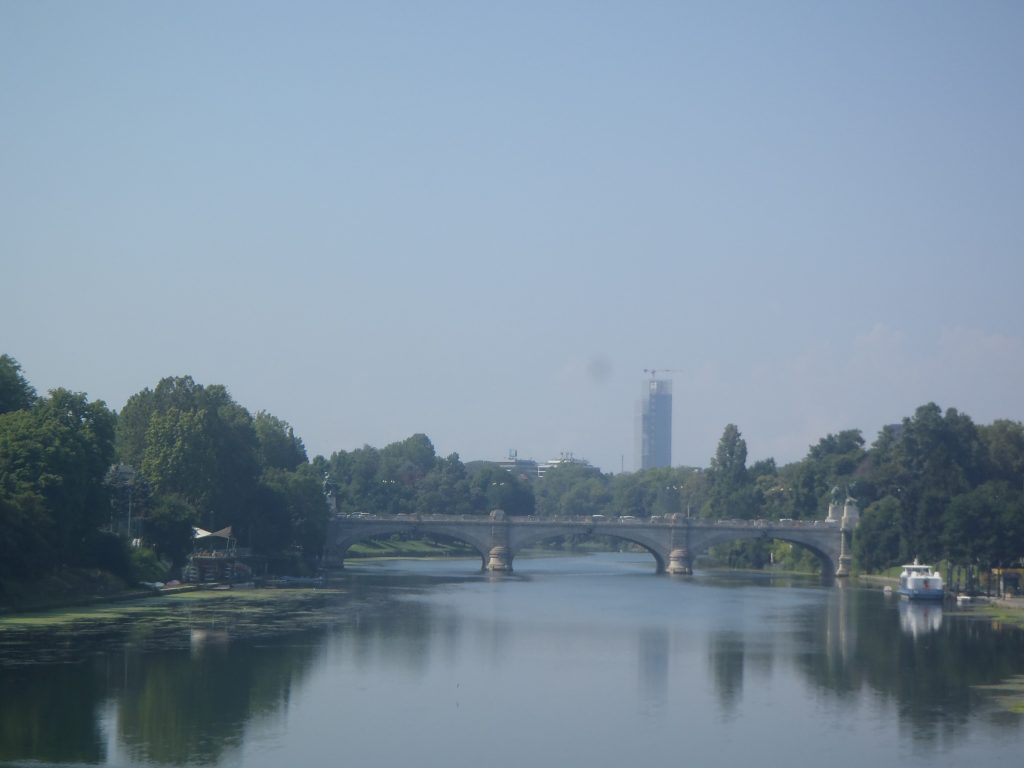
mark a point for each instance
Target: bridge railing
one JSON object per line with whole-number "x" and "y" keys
{"x": 598, "y": 522}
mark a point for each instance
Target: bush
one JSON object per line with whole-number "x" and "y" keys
{"x": 147, "y": 566}
{"x": 109, "y": 552}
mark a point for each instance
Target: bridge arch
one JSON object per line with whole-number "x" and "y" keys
{"x": 497, "y": 539}
{"x": 827, "y": 556}
{"x": 343, "y": 539}
{"x": 655, "y": 548}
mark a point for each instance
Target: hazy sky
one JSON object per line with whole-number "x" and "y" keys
{"x": 482, "y": 221}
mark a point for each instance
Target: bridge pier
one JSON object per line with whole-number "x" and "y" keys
{"x": 498, "y": 559}
{"x": 680, "y": 562}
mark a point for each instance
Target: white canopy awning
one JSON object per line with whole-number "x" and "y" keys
{"x": 199, "y": 533}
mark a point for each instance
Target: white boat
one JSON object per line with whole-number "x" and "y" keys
{"x": 920, "y": 582}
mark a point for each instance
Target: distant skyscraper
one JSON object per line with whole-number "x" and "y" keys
{"x": 656, "y": 424}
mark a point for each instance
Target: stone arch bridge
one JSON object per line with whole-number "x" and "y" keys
{"x": 673, "y": 542}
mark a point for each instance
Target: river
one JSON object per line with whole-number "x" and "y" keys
{"x": 571, "y": 661}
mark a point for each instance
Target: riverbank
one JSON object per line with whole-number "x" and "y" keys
{"x": 1009, "y": 610}
{"x": 873, "y": 580}
{"x": 65, "y": 588}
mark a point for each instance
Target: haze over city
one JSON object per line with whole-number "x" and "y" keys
{"x": 483, "y": 223}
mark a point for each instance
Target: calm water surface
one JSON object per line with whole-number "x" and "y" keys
{"x": 590, "y": 661}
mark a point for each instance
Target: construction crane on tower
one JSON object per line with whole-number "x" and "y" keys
{"x": 655, "y": 371}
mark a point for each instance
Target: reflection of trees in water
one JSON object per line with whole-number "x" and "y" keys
{"x": 178, "y": 705}
{"x": 853, "y": 642}
{"x": 654, "y": 667}
{"x": 181, "y": 708}
{"x": 50, "y": 717}
{"x": 727, "y": 651}
{"x": 405, "y": 634}
{"x": 178, "y": 708}
{"x": 928, "y": 678}
{"x": 386, "y": 621}
{"x": 180, "y": 702}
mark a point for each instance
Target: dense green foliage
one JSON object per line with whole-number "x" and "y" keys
{"x": 53, "y": 457}
{"x": 206, "y": 461}
{"x": 16, "y": 394}
{"x": 79, "y": 482}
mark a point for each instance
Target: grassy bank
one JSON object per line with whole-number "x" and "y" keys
{"x": 414, "y": 548}
{"x": 64, "y": 587}
{"x": 875, "y": 580}
{"x": 1008, "y": 610}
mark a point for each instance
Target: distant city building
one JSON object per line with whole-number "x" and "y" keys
{"x": 529, "y": 469}
{"x": 564, "y": 458}
{"x": 522, "y": 468}
{"x": 656, "y": 424}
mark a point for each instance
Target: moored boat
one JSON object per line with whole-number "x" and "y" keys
{"x": 920, "y": 582}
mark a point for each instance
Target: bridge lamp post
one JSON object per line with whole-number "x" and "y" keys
{"x": 676, "y": 489}
{"x": 389, "y": 493}
{"x": 497, "y": 495}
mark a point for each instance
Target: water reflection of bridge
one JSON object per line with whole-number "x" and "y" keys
{"x": 672, "y": 541}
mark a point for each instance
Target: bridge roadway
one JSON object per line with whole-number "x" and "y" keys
{"x": 673, "y": 541}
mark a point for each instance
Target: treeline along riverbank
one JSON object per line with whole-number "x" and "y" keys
{"x": 85, "y": 487}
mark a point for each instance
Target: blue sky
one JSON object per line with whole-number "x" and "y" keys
{"x": 483, "y": 221}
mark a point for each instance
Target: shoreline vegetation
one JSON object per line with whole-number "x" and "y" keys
{"x": 66, "y": 588}
{"x": 73, "y": 589}
{"x": 85, "y": 489}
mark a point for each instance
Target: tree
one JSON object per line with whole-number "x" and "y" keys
{"x": 661, "y": 491}
{"x": 877, "y": 542}
{"x": 586, "y": 498}
{"x": 355, "y": 473}
{"x": 292, "y": 513}
{"x": 129, "y": 495}
{"x": 169, "y": 527}
{"x": 181, "y": 393}
{"x": 492, "y": 487}
{"x": 554, "y": 487}
{"x": 268, "y": 530}
{"x": 445, "y": 490}
{"x": 53, "y": 459}
{"x": 307, "y": 511}
{"x": 24, "y": 548}
{"x": 278, "y": 445}
{"x": 408, "y": 460}
{"x": 16, "y": 393}
{"x": 770, "y": 490}
{"x": 985, "y": 525}
{"x": 942, "y": 452}
{"x": 197, "y": 443}
{"x": 178, "y": 459}
{"x": 929, "y": 460}
{"x": 837, "y": 460}
{"x": 731, "y": 494}
{"x": 1003, "y": 442}
{"x": 628, "y": 494}
{"x": 730, "y": 460}
{"x": 402, "y": 468}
